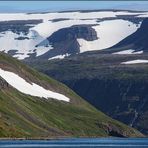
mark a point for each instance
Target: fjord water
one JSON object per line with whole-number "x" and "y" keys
{"x": 77, "y": 143}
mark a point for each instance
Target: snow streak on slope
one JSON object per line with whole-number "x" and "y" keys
{"x": 135, "y": 62}
{"x": 59, "y": 56}
{"x": 109, "y": 33}
{"x": 30, "y": 89}
{"x": 129, "y": 51}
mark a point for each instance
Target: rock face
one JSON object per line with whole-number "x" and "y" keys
{"x": 138, "y": 41}
{"x": 64, "y": 41}
{"x": 123, "y": 100}
{"x": 18, "y": 26}
{"x": 118, "y": 90}
{"x": 3, "y": 84}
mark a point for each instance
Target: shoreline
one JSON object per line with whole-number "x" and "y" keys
{"x": 64, "y": 138}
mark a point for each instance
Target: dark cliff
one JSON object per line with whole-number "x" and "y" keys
{"x": 118, "y": 90}
{"x": 3, "y": 84}
{"x": 64, "y": 41}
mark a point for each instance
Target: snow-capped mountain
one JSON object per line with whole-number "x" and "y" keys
{"x": 60, "y": 34}
{"x": 136, "y": 43}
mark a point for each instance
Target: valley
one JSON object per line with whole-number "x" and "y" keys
{"x": 118, "y": 89}
{"x": 74, "y": 74}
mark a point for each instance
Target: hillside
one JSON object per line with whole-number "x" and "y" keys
{"x": 115, "y": 84}
{"x": 23, "y": 115}
{"x": 135, "y": 43}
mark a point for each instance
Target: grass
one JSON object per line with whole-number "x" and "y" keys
{"x": 25, "y": 116}
{"x": 32, "y": 117}
{"x": 116, "y": 85}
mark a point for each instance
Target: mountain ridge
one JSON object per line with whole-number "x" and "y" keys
{"x": 126, "y": 84}
{"x": 32, "y": 29}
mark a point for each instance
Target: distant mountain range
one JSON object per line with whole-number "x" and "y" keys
{"x": 100, "y": 54}
{"x": 61, "y": 34}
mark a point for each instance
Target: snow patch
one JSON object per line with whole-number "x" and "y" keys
{"x": 109, "y": 33}
{"x": 30, "y": 89}
{"x": 24, "y": 48}
{"x": 59, "y": 56}
{"x": 67, "y": 15}
{"x": 42, "y": 50}
{"x": 143, "y": 15}
{"x": 46, "y": 29}
{"x": 129, "y": 51}
{"x": 135, "y": 62}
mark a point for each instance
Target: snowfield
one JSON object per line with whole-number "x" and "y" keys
{"x": 46, "y": 29}
{"x": 59, "y": 57}
{"x": 135, "y": 62}
{"x": 30, "y": 89}
{"x": 129, "y": 51}
{"x": 109, "y": 32}
{"x": 69, "y": 15}
{"x": 22, "y": 48}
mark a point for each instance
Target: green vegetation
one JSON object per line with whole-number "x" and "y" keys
{"x": 24, "y": 116}
{"x": 120, "y": 90}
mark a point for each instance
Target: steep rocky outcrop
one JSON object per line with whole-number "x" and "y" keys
{"x": 64, "y": 41}
{"x": 123, "y": 100}
{"x": 3, "y": 84}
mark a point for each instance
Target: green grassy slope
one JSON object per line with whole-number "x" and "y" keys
{"x": 126, "y": 85}
{"x": 32, "y": 117}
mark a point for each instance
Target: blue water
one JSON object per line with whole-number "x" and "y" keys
{"x": 77, "y": 143}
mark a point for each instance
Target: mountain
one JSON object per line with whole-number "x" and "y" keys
{"x": 136, "y": 43}
{"x": 115, "y": 84}
{"x": 60, "y": 34}
{"x": 114, "y": 80}
{"x": 33, "y": 105}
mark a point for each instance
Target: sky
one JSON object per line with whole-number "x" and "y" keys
{"x": 43, "y": 6}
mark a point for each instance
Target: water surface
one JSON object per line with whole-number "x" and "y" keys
{"x": 77, "y": 143}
